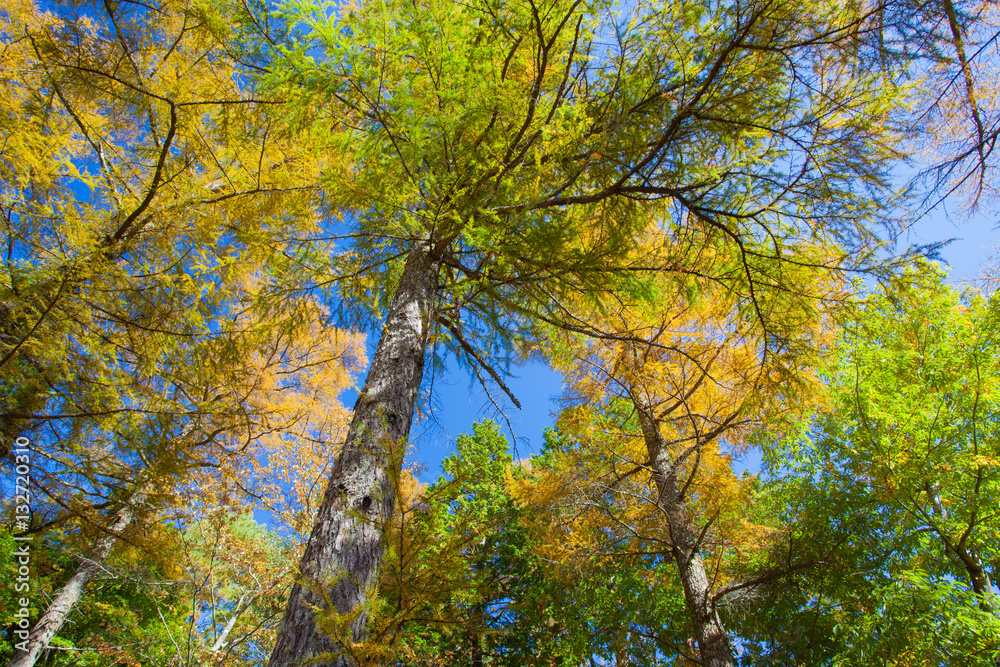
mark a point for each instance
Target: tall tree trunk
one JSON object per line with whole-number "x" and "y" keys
{"x": 51, "y": 622}
{"x": 341, "y": 562}
{"x": 713, "y": 642}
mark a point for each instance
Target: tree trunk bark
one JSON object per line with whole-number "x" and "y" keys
{"x": 713, "y": 642}
{"x": 339, "y": 569}
{"x": 220, "y": 641}
{"x": 52, "y": 620}
{"x": 979, "y": 577}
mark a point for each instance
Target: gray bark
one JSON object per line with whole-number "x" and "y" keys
{"x": 52, "y": 620}
{"x": 340, "y": 566}
{"x": 713, "y": 641}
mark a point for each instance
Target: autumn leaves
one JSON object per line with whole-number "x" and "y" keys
{"x": 148, "y": 215}
{"x": 206, "y": 205}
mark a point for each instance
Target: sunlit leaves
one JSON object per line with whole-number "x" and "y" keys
{"x": 899, "y": 473}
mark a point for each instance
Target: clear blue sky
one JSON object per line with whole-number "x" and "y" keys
{"x": 459, "y": 402}
{"x": 975, "y": 238}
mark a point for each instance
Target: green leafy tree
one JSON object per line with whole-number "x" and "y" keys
{"x": 474, "y": 577}
{"x": 461, "y": 584}
{"x": 895, "y": 488}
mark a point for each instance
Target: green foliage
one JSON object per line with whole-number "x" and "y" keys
{"x": 162, "y": 204}
{"x": 127, "y": 618}
{"x": 471, "y": 579}
{"x": 168, "y": 601}
{"x": 895, "y": 486}
{"x": 464, "y": 580}
{"x": 549, "y": 167}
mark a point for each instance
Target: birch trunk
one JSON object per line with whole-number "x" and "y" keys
{"x": 220, "y": 641}
{"x": 52, "y": 620}
{"x": 713, "y": 642}
{"x": 340, "y": 566}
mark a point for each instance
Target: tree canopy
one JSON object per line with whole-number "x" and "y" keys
{"x": 689, "y": 208}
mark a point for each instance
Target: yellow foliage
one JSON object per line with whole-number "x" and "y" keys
{"x": 701, "y": 364}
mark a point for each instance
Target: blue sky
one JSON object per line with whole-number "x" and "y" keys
{"x": 459, "y": 402}
{"x": 975, "y": 237}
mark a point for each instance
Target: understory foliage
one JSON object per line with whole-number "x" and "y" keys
{"x": 686, "y": 207}
{"x": 480, "y": 574}
{"x": 167, "y": 599}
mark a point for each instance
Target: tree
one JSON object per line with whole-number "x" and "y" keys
{"x": 954, "y": 112}
{"x": 478, "y": 572}
{"x": 600, "y": 524}
{"x": 664, "y": 391}
{"x": 503, "y": 160}
{"x": 288, "y": 401}
{"x": 133, "y": 160}
{"x": 63, "y": 602}
{"x": 900, "y": 474}
{"x": 150, "y": 212}
{"x": 172, "y": 592}
{"x": 462, "y": 584}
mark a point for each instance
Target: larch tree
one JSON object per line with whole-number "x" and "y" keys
{"x": 150, "y": 213}
{"x": 695, "y": 373}
{"x": 500, "y": 161}
{"x": 948, "y": 50}
{"x": 954, "y": 47}
{"x": 281, "y": 396}
{"x": 137, "y": 168}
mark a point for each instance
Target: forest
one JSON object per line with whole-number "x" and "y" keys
{"x": 244, "y": 241}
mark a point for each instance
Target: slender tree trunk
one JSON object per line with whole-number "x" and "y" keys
{"x": 713, "y": 642}
{"x": 51, "y": 622}
{"x": 220, "y": 641}
{"x": 340, "y": 566}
